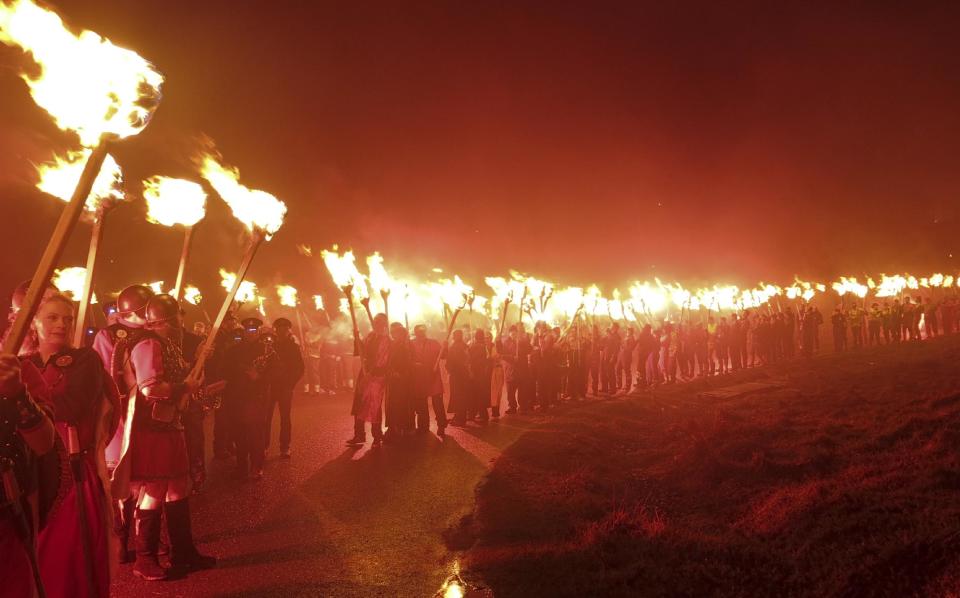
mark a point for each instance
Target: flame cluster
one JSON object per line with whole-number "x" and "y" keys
{"x": 541, "y": 300}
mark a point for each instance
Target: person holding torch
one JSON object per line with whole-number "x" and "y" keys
{"x": 73, "y": 385}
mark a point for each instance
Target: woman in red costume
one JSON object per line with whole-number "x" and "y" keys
{"x": 73, "y": 385}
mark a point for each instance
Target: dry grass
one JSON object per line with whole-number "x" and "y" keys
{"x": 844, "y": 483}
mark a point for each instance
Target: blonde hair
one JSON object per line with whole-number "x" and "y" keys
{"x": 32, "y": 342}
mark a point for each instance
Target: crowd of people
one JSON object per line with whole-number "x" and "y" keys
{"x": 526, "y": 371}
{"x": 103, "y": 445}
{"x": 110, "y": 437}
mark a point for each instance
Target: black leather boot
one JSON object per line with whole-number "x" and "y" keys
{"x": 122, "y": 522}
{"x": 147, "y": 566}
{"x": 183, "y": 553}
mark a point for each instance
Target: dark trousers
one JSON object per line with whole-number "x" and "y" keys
{"x": 513, "y": 389}
{"x": 222, "y": 441}
{"x": 526, "y": 394}
{"x": 283, "y": 399}
{"x": 422, "y": 412}
{"x": 193, "y": 433}
{"x": 376, "y": 428}
{"x": 251, "y": 444}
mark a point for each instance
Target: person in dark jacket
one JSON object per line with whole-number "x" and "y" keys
{"x": 459, "y": 370}
{"x": 285, "y": 377}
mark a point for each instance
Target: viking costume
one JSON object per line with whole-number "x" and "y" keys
{"x": 427, "y": 384}
{"x": 73, "y": 385}
{"x": 153, "y": 447}
{"x": 26, "y": 437}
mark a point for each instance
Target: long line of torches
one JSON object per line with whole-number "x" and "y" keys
{"x": 103, "y": 94}
{"x": 444, "y": 300}
{"x": 540, "y": 300}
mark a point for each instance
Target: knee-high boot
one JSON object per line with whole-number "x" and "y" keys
{"x": 148, "y": 538}
{"x": 183, "y": 553}
{"x": 122, "y": 520}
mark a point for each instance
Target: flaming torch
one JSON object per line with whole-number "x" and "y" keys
{"x": 379, "y": 280}
{"x": 59, "y": 178}
{"x": 89, "y": 86}
{"x": 454, "y": 293}
{"x": 172, "y": 202}
{"x": 343, "y": 270}
{"x": 288, "y": 298}
{"x": 259, "y": 211}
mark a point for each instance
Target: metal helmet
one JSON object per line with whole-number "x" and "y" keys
{"x": 133, "y": 300}
{"x": 20, "y": 293}
{"x": 161, "y": 308}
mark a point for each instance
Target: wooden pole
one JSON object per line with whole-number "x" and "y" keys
{"x": 182, "y": 268}
{"x": 348, "y": 291}
{"x": 366, "y": 306}
{"x": 95, "y": 237}
{"x": 503, "y": 317}
{"x": 58, "y": 240}
{"x": 303, "y": 339}
{"x": 453, "y": 322}
{"x": 385, "y": 295}
{"x": 207, "y": 347}
{"x": 523, "y": 298}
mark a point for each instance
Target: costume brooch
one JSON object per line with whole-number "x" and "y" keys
{"x": 64, "y": 361}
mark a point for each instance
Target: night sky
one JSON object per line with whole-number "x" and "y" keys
{"x": 578, "y": 141}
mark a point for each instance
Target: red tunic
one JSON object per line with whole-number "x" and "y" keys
{"x": 76, "y": 389}
{"x": 158, "y": 450}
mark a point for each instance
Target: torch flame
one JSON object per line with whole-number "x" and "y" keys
{"x": 156, "y": 287}
{"x": 60, "y": 178}
{"x": 86, "y": 84}
{"x": 174, "y": 201}
{"x": 246, "y": 292}
{"x": 379, "y": 278}
{"x": 287, "y": 295}
{"x": 70, "y": 281}
{"x": 192, "y": 295}
{"x": 343, "y": 270}
{"x": 257, "y": 210}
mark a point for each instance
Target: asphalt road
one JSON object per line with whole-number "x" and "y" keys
{"x": 334, "y": 521}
